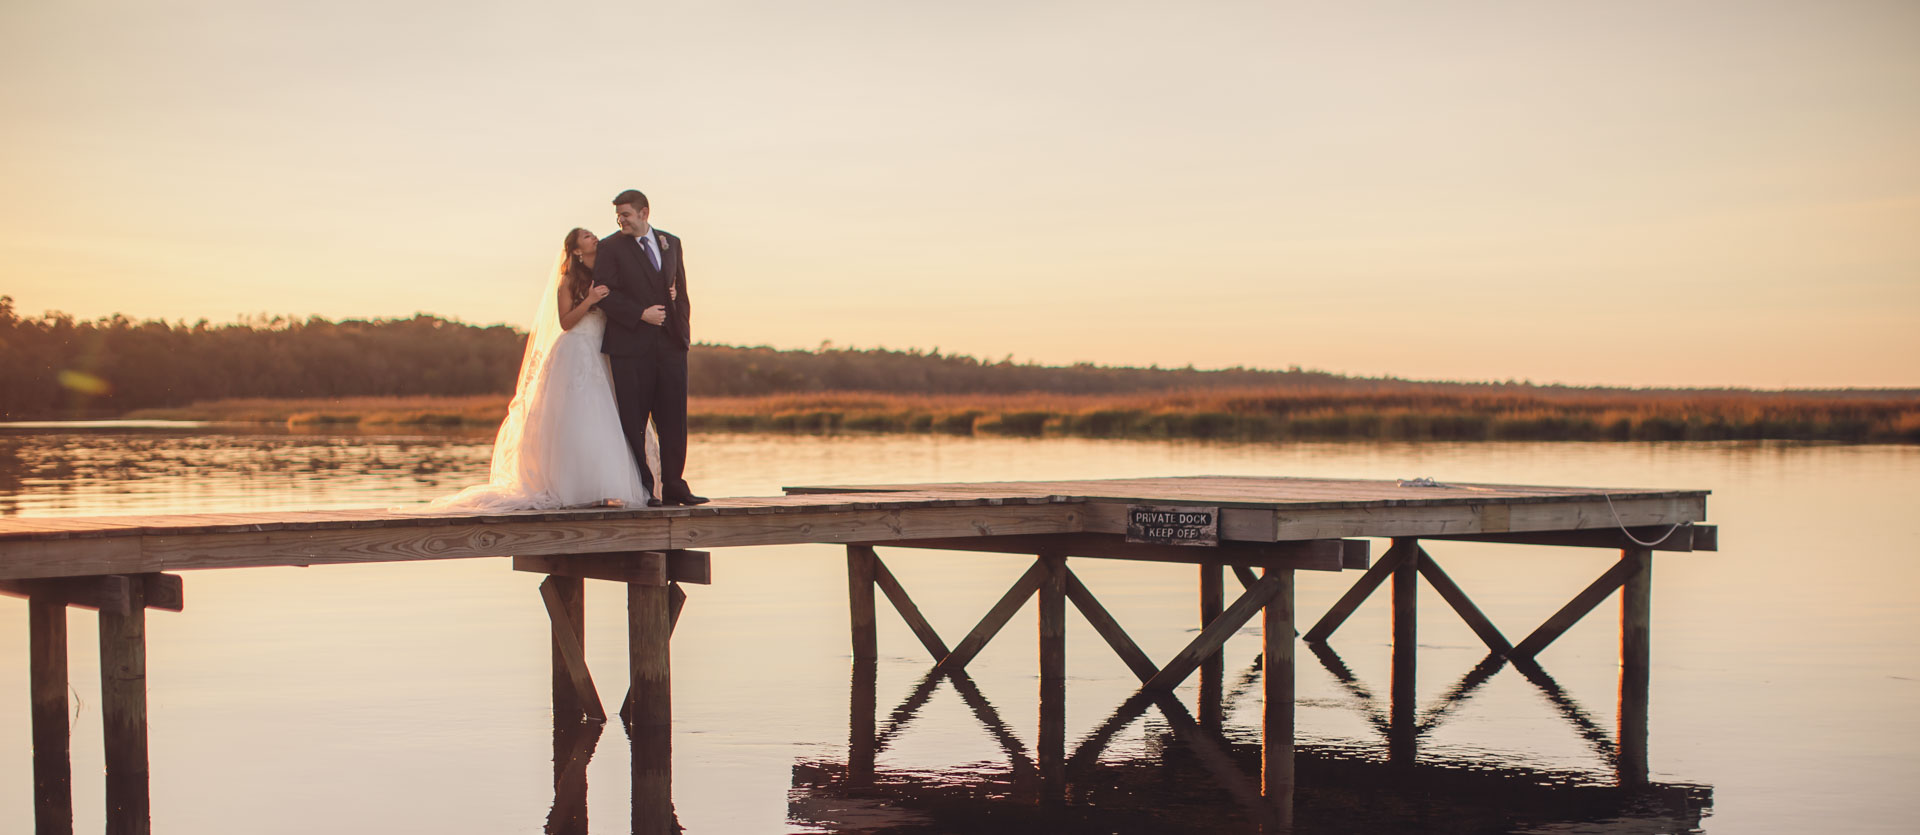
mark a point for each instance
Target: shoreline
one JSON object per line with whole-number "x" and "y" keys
{"x": 1236, "y": 415}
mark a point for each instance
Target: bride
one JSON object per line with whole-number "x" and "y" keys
{"x": 561, "y": 444}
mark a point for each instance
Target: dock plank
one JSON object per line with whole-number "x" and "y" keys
{"x": 847, "y": 526}
{"x": 1248, "y": 491}
{"x": 1253, "y": 510}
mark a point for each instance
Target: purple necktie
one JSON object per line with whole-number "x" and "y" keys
{"x": 651, "y": 258}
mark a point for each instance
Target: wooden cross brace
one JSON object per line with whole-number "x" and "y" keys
{"x": 647, "y": 574}
{"x": 1206, "y": 747}
{"x": 1049, "y": 575}
{"x": 1634, "y": 561}
{"x": 111, "y": 593}
{"x": 866, "y": 569}
{"x": 1367, "y": 704}
{"x": 904, "y": 713}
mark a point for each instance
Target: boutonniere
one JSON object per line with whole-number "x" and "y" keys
{"x": 665, "y": 243}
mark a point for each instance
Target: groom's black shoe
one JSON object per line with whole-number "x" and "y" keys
{"x": 687, "y": 498}
{"x": 654, "y": 503}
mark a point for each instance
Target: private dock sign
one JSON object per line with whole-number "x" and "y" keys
{"x": 1166, "y": 525}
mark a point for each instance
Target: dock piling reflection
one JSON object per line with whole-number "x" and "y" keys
{"x": 573, "y": 745}
{"x": 862, "y": 722}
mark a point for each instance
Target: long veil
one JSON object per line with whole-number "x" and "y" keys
{"x": 507, "y": 473}
{"x": 517, "y": 480}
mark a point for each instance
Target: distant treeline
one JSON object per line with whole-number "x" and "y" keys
{"x": 725, "y": 371}
{"x": 55, "y": 365}
{"x": 431, "y": 371}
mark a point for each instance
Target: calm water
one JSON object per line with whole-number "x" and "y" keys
{"x": 414, "y": 697}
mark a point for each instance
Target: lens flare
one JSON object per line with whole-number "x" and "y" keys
{"x": 83, "y": 383}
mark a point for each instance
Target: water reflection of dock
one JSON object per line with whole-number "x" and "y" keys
{"x": 1263, "y": 529}
{"x": 1194, "y": 778}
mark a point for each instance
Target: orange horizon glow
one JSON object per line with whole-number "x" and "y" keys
{"x": 1638, "y": 194}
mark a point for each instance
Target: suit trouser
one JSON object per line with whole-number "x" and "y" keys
{"x": 655, "y": 385}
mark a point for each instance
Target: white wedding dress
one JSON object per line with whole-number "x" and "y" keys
{"x": 561, "y": 444}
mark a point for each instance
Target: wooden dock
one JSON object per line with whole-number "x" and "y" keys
{"x": 1262, "y": 529}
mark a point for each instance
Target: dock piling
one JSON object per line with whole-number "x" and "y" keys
{"x": 1276, "y": 716}
{"x": 649, "y": 626}
{"x": 123, "y": 707}
{"x": 52, "y": 756}
{"x": 1636, "y": 611}
{"x": 650, "y": 700}
{"x": 1053, "y": 676}
{"x": 1213, "y": 667}
{"x": 1406, "y": 641}
{"x": 860, "y": 602}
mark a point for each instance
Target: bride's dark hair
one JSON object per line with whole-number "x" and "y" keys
{"x": 579, "y": 276}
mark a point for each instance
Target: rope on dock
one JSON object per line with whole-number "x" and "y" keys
{"x": 1629, "y": 534}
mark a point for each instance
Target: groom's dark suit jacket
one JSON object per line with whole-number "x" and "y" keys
{"x": 636, "y": 286}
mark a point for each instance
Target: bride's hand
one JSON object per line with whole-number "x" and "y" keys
{"x": 673, "y": 292}
{"x": 598, "y": 292}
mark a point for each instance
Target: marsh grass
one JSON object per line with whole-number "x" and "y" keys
{"x": 1431, "y": 413}
{"x": 1281, "y": 414}
{"x": 419, "y": 410}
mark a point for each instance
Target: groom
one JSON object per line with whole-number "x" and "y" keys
{"x": 647, "y": 338}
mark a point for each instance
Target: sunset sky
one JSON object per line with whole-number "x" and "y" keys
{"x": 1719, "y": 192}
